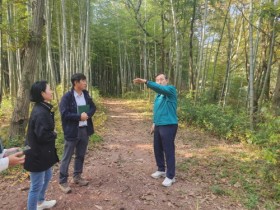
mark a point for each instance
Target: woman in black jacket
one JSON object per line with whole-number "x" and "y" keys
{"x": 41, "y": 138}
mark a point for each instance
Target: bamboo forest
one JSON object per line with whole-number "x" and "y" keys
{"x": 223, "y": 57}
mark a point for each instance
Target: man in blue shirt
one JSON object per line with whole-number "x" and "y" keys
{"x": 164, "y": 128}
{"x": 77, "y": 109}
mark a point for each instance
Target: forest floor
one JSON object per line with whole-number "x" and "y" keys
{"x": 120, "y": 166}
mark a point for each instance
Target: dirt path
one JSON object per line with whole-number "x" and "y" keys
{"x": 119, "y": 173}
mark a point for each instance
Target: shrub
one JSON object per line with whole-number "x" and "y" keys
{"x": 266, "y": 137}
{"x": 225, "y": 123}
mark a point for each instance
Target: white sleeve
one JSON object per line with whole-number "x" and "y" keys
{"x": 4, "y": 163}
{"x": 2, "y": 154}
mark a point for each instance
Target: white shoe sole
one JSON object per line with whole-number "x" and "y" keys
{"x": 47, "y": 206}
{"x": 156, "y": 177}
{"x": 168, "y": 185}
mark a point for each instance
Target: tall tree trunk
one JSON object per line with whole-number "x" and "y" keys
{"x": 191, "y": 67}
{"x": 81, "y": 44}
{"x": 74, "y": 54}
{"x": 251, "y": 73}
{"x": 207, "y": 62}
{"x": 11, "y": 54}
{"x": 177, "y": 45}
{"x": 20, "y": 114}
{"x": 218, "y": 51}
{"x": 276, "y": 95}
{"x": 48, "y": 16}
{"x": 201, "y": 50}
{"x": 86, "y": 44}
{"x": 145, "y": 47}
{"x": 225, "y": 88}
{"x": 120, "y": 69}
{"x": 155, "y": 52}
{"x": 18, "y": 69}
{"x": 162, "y": 47}
{"x": 65, "y": 54}
{"x": 267, "y": 75}
{"x": 259, "y": 72}
{"x": 58, "y": 29}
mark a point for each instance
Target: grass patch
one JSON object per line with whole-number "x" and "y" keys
{"x": 140, "y": 105}
{"x": 232, "y": 170}
{"x": 218, "y": 190}
{"x": 187, "y": 164}
{"x": 94, "y": 140}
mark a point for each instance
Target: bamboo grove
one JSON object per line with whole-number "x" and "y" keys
{"x": 222, "y": 52}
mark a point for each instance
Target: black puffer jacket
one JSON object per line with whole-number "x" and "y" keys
{"x": 41, "y": 138}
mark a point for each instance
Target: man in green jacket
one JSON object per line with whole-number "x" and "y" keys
{"x": 165, "y": 124}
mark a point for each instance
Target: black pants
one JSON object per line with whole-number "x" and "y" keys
{"x": 80, "y": 148}
{"x": 164, "y": 148}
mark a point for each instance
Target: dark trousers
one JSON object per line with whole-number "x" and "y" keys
{"x": 164, "y": 148}
{"x": 80, "y": 148}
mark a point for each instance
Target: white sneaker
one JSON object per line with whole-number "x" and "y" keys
{"x": 158, "y": 174}
{"x": 168, "y": 182}
{"x": 46, "y": 205}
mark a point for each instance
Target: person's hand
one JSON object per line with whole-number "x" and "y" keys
{"x": 17, "y": 158}
{"x": 139, "y": 81}
{"x": 84, "y": 116}
{"x": 152, "y": 129}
